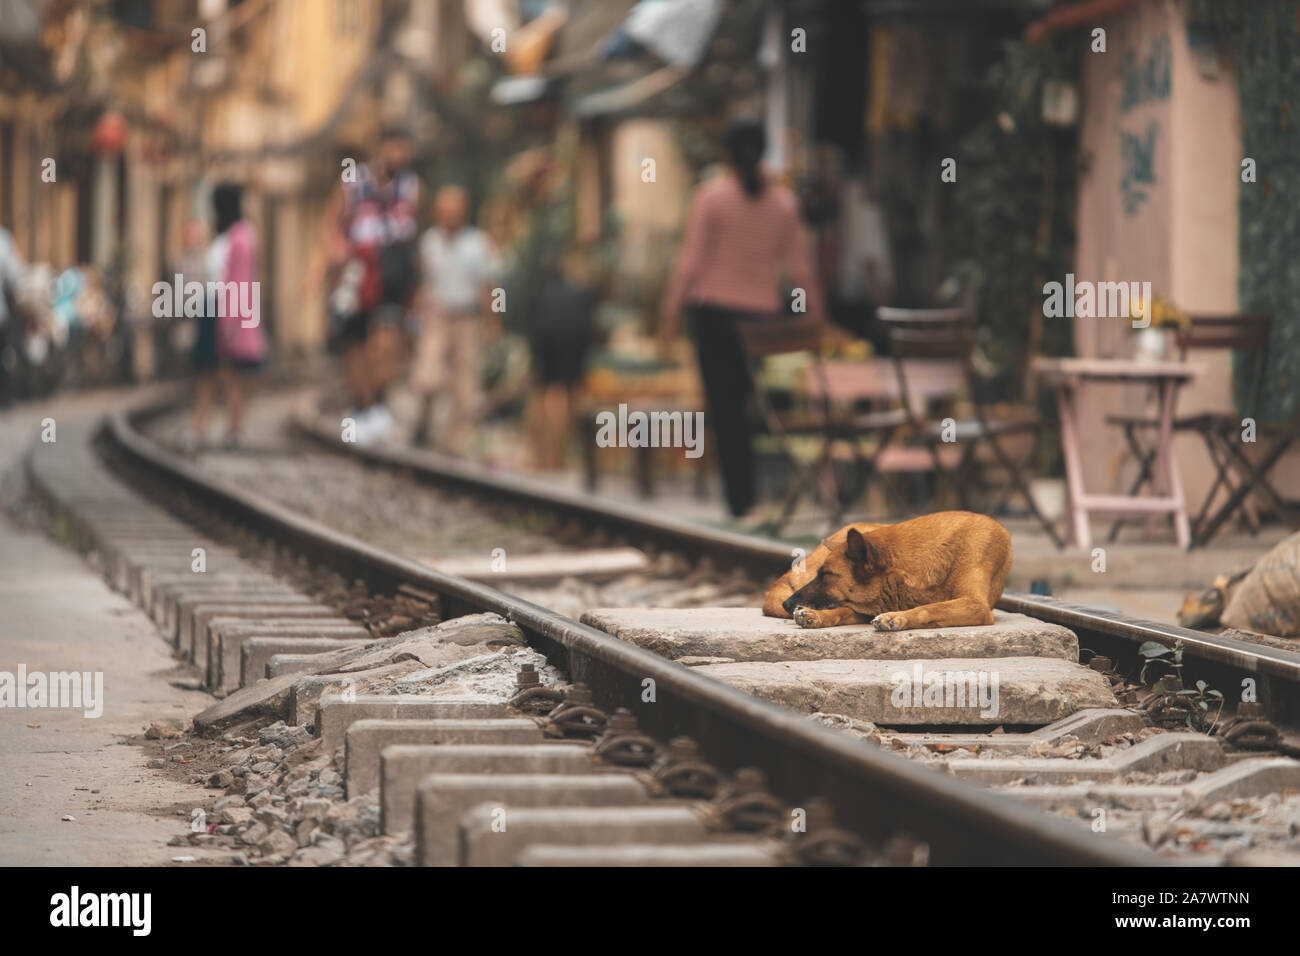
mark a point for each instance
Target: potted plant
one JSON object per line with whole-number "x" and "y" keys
{"x": 1165, "y": 318}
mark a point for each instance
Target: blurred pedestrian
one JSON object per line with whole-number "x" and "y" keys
{"x": 371, "y": 236}
{"x": 189, "y": 260}
{"x": 559, "y": 335}
{"x": 742, "y": 234}
{"x": 11, "y": 337}
{"x": 457, "y": 268}
{"x": 230, "y": 340}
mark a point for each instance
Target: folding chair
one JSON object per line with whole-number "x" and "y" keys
{"x": 827, "y": 412}
{"x": 949, "y": 335}
{"x": 1220, "y": 331}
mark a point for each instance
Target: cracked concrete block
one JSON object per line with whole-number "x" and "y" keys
{"x": 745, "y": 634}
{"x": 955, "y": 691}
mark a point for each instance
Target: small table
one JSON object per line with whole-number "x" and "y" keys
{"x": 1067, "y": 376}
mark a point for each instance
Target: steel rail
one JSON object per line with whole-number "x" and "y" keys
{"x": 874, "y": 794}
{"x": 1222, "y": 662}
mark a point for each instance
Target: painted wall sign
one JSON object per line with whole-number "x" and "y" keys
{"x": 1145, "y": 80}
{"x": 1137, "y": 153}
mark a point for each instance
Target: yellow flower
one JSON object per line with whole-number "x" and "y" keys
{"x": 1162, "y": 312}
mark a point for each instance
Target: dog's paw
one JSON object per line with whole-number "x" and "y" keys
{"x": 807, "y": 617}
{"x": 889, "y": 621}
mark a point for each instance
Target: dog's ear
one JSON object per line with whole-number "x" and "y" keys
{"x": 861, "y": 551}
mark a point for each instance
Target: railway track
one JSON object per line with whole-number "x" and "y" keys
{"x": 861, "y": 805}
{"x": 1154, "y": 795}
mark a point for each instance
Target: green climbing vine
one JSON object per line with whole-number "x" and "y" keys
{"x": 1016, "y": 207}
{"x": 1263, "y": 37}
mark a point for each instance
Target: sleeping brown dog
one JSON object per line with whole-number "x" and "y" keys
{"x": 941, "y": 570}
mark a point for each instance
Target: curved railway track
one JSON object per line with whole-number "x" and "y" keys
{"x": 873, "y": 795}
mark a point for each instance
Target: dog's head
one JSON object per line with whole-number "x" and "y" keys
{"x": 851, "y": 576}
{"x": 1201, "y": 610}
{"x": 1205, "y": 610}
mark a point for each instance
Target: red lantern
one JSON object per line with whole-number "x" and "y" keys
{"x": 109, "y": 135}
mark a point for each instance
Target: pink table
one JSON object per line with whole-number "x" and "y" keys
{"x": 1068, "y": 376}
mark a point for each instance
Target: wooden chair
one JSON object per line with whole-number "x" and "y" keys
{"x": 825, "y": 412}
{"x": 1248, "y": 331}
{"x": 949, "y": 335}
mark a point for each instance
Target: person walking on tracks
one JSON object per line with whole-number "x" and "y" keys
{"x": 457, "y": 266}
{"x": 371, "y": 238}
{"x": 742, "y": 233}
{"x": 230, "y": 343}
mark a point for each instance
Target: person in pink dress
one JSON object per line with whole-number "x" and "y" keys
{"x": 233, "y": 309}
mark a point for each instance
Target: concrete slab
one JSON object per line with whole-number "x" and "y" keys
{"x": 452, "y": 640}
{"x": 255, "y": 652}
{"x": 756, "y": 853}
{"x": 335, "y": 714}
{"x": 158, "y": 584}
{"x": 1087, "y": 726}
{"x": 1171, "y": 751}
{"x": 1254, "y": 777}
{"x": 596, "y": 565}
{"x": 745, "y": 634}
{"x": 957, "y": 692}
{"x": 492, "y": 835}
{"x": 170, "y": 600}
{"x": 159, "y": 592}
{"x": 366, "y": 739}
{"x": 293, "y": 697}
{"x": 401, "y": 768}
{"x": 281, "y": 664}
{"x": 139, "y": 565}
{"x": 227, "y": 636}
{"x": 442, "y": 799}
{"x": 195, "y": 626}
{"x": 307, "y": 691}
{"x": 266, "y": 698}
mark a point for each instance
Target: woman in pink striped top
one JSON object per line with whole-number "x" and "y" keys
{"x": 743, "y": 235}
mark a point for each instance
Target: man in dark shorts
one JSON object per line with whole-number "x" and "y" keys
{"x": 372, "y": 226}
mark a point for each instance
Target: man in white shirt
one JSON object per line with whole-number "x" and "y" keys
{"x": 457, "y": 268}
